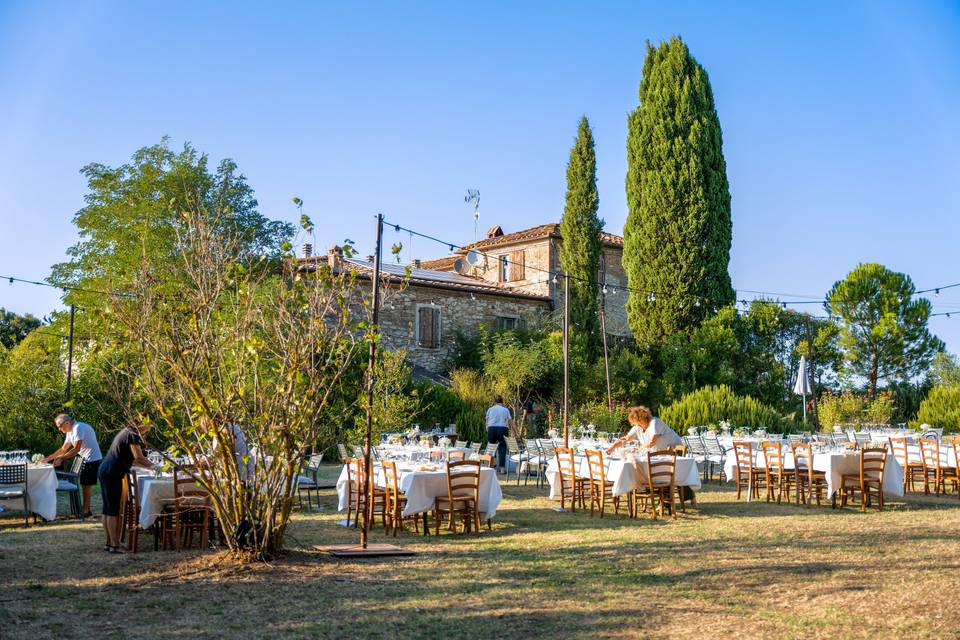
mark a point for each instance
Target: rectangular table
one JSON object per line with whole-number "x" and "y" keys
{"x": 422, "y": 488}
{"x": 834, "y": 465}
{"x": 626, "y": 475}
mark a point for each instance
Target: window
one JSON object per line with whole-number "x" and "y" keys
{"x": 504, "y": 268}
{"x": 602, "y": 269}
{"x": 505, "y": 323}
{"x": 428, "y": 327}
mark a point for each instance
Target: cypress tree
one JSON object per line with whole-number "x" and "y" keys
{"x": 580, "y": 229}
{"x": 678, "y": 231}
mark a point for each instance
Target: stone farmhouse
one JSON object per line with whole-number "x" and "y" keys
{"x": 503, "y": 281}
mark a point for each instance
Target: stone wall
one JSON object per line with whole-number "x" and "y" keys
{"x": 459, "y": 311}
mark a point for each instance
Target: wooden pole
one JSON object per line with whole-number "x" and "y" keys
{"x": 566, "y": 359}
{"x": 70, "y": 355}
{"x": 371, "y": 379}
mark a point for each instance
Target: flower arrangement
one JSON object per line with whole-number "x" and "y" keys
{"x": 396, "y": 439}
{"x": 552, "y": 433}
{"x": 444, "y": 442}
{"x": 413, "y": 434}
{"x": 37, "y": 458}
{"x": 724, "y": 425}
{"x": 739, "y": 433}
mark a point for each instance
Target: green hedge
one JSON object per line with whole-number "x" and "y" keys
{"x": 710, "y": 405}
{"x": 442, "y": 405}
{"x": 940, "y": 409}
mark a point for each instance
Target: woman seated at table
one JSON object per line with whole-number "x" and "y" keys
{"x": 651, "y": 433}
{"x": 125, "y": 452}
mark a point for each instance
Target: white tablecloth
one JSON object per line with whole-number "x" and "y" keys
{"x": 423, "y": 487}
{"x": 153, "y": 491}
{"x": 41, "y": 491}
{"x": 834, "y": 465}
{"x": 626, "y": 475}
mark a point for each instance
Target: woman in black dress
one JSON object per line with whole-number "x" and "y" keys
{"x": 125, "y": 452}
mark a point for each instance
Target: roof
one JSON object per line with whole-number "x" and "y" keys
{"x": 448, "y": 280}
{"x": 551, "y": 230}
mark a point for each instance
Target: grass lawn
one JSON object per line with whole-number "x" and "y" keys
{"x": 729, "y": 569}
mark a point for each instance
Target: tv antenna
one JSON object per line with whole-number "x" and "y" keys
{"x": 473, "y": 197}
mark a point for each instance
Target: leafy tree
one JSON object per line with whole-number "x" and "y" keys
{"x": 581, "y": 247}
{"x": 31, "y": 393}
{"x": 678, "y": 231}
{"x": 134, "y": 213}
{"x": 521, "y": 371}
{"x": 884, "y": 331}
{"x": 945, "y": 370}
{"x": 395, "y": 401}
{"x": 15, "y": 327}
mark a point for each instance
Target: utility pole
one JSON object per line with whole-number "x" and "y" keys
{"x": 566, "y": 359}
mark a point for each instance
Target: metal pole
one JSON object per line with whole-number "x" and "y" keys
{"x": 371, "y": 379}
{"x": 70, "y": 355}
{"x": 566, "y": 360}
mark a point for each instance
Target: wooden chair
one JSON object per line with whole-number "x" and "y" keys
{"x": 13, "y": 486}
{"x": 396, "y": 500}
{"x": 900, "y": 450}
{"x": 342, "y": 450}
{"x": 463, "y": 496}
{"x": 455, "y": 456}
{"x": 601, "y": 489}
{"x": 869, "y": 482}
{"x": 307, "y": 480}
{"x": 776, "y": 475}
{"x": 810, "y": 482}
{"x": 680, "y": 449}
{"x": 930, "y": 457}
{"x": 953, "y": 473}
{"x": 488, "y": 460}
{"x": 747, "y": 476}
{"x": 187, "y": 513}
{"x": 356, "y": 500}
{"x": 571, "y": 485}
{"x": 660, "y": 487}
{"x": 130, "y": 516}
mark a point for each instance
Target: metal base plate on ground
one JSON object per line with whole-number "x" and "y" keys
{"x": 356, "y": 551}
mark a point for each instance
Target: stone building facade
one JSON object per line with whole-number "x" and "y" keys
{"x": 502, "y": 282}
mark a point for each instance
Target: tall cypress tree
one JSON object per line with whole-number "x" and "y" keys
{"x": 580, "y": 229}
{"x": 678, "y": 231}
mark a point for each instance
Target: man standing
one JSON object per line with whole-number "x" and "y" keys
{"x": 499, "y": 421}
{"x": 80, "y": 440}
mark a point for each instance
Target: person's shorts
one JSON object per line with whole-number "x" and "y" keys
{"x": 89, "y": 473}
{"x": 111, "y": 490}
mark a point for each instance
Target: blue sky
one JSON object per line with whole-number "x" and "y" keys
{"x": 840, "y": 120}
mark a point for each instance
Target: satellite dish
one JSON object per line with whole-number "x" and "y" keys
{"x": 460, "y": 266}
{"x": 473, "y": 258}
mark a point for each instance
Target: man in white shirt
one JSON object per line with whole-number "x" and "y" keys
{"x": 499, "y": 420}
{"x": 652, "y": 433}
{"x": 79, "y": 440}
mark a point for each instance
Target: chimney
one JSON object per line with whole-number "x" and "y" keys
{"x": 416, "y": 263}
{"x": 335, "y": 259}
{"x": 370, "y": 259}
{"x": 307, "y": 250}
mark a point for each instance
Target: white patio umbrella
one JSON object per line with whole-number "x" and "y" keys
{"x": 802, "y": 386}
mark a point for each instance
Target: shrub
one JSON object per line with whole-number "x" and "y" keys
{"x": 710, "y": 405}
{"x": 940, "y": 409}
{"x": 849, "y": 408}
{"x": 604, "y": 419}
{"x": 441, "y": 405}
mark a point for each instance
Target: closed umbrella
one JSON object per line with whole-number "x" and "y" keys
{"x": 802, "y": 386}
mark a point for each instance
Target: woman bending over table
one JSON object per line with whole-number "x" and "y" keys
{"x": 125, "y": 452}
{"x": 652, "y": 433}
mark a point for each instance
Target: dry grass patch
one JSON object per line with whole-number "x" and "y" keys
{"x": 737, "y": 568}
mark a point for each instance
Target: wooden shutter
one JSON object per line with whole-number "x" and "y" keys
{"x": 517, "y": 265}
{"x": 429, "y": 327}
{"x": 435, "y": 324}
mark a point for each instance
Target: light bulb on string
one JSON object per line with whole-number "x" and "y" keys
{"x": 936, "y": 292}
{"x": 652, "y": 297}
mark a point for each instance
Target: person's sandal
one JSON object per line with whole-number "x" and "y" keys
{"x": 117, "y": 550}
